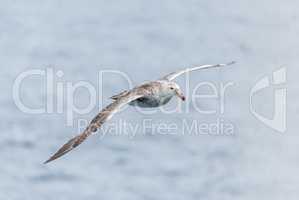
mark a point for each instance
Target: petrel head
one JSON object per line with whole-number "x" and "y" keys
{"x": 175, "y": 90}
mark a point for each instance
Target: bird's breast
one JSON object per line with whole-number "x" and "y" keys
{"x": 151, "y": 102}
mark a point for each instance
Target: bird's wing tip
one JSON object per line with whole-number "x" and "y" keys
{"x": 54, "y": 157}
{"x": 47, "y": 161}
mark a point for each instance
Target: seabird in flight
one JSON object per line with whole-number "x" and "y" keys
{"x": 148, "y": 95}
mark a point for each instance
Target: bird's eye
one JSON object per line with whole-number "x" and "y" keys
{"x": 171, "y": 88}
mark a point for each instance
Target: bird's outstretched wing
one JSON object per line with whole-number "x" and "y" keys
{"x": 174, "y": 75}
{"x": 97, "y": 122}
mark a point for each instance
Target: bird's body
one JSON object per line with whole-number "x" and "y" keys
{"x": 151, "y": 102}
{"x": 148, "y": 95}
{"x": 159, "y": 95}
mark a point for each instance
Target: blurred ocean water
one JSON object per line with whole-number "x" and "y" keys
{"x": 146, "y": 40}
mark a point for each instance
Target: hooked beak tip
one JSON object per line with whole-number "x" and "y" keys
{"x": 181, "y": 96}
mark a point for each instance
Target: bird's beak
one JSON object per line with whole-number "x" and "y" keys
{"x": 181, "y": 95}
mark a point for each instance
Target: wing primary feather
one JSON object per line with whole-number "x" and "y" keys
{"x": 174, "y": 75}
{"x": 96, "y": 123}
{"x": 70, "y": 145}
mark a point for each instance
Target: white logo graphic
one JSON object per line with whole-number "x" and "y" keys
{"x": 278, "y": 122}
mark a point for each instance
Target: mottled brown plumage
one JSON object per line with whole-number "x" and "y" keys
{"x": 96, "y": 123}
{"x": 151, "y": 94}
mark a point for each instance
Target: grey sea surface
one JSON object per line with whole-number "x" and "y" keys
{"x": 146, "y": 40}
